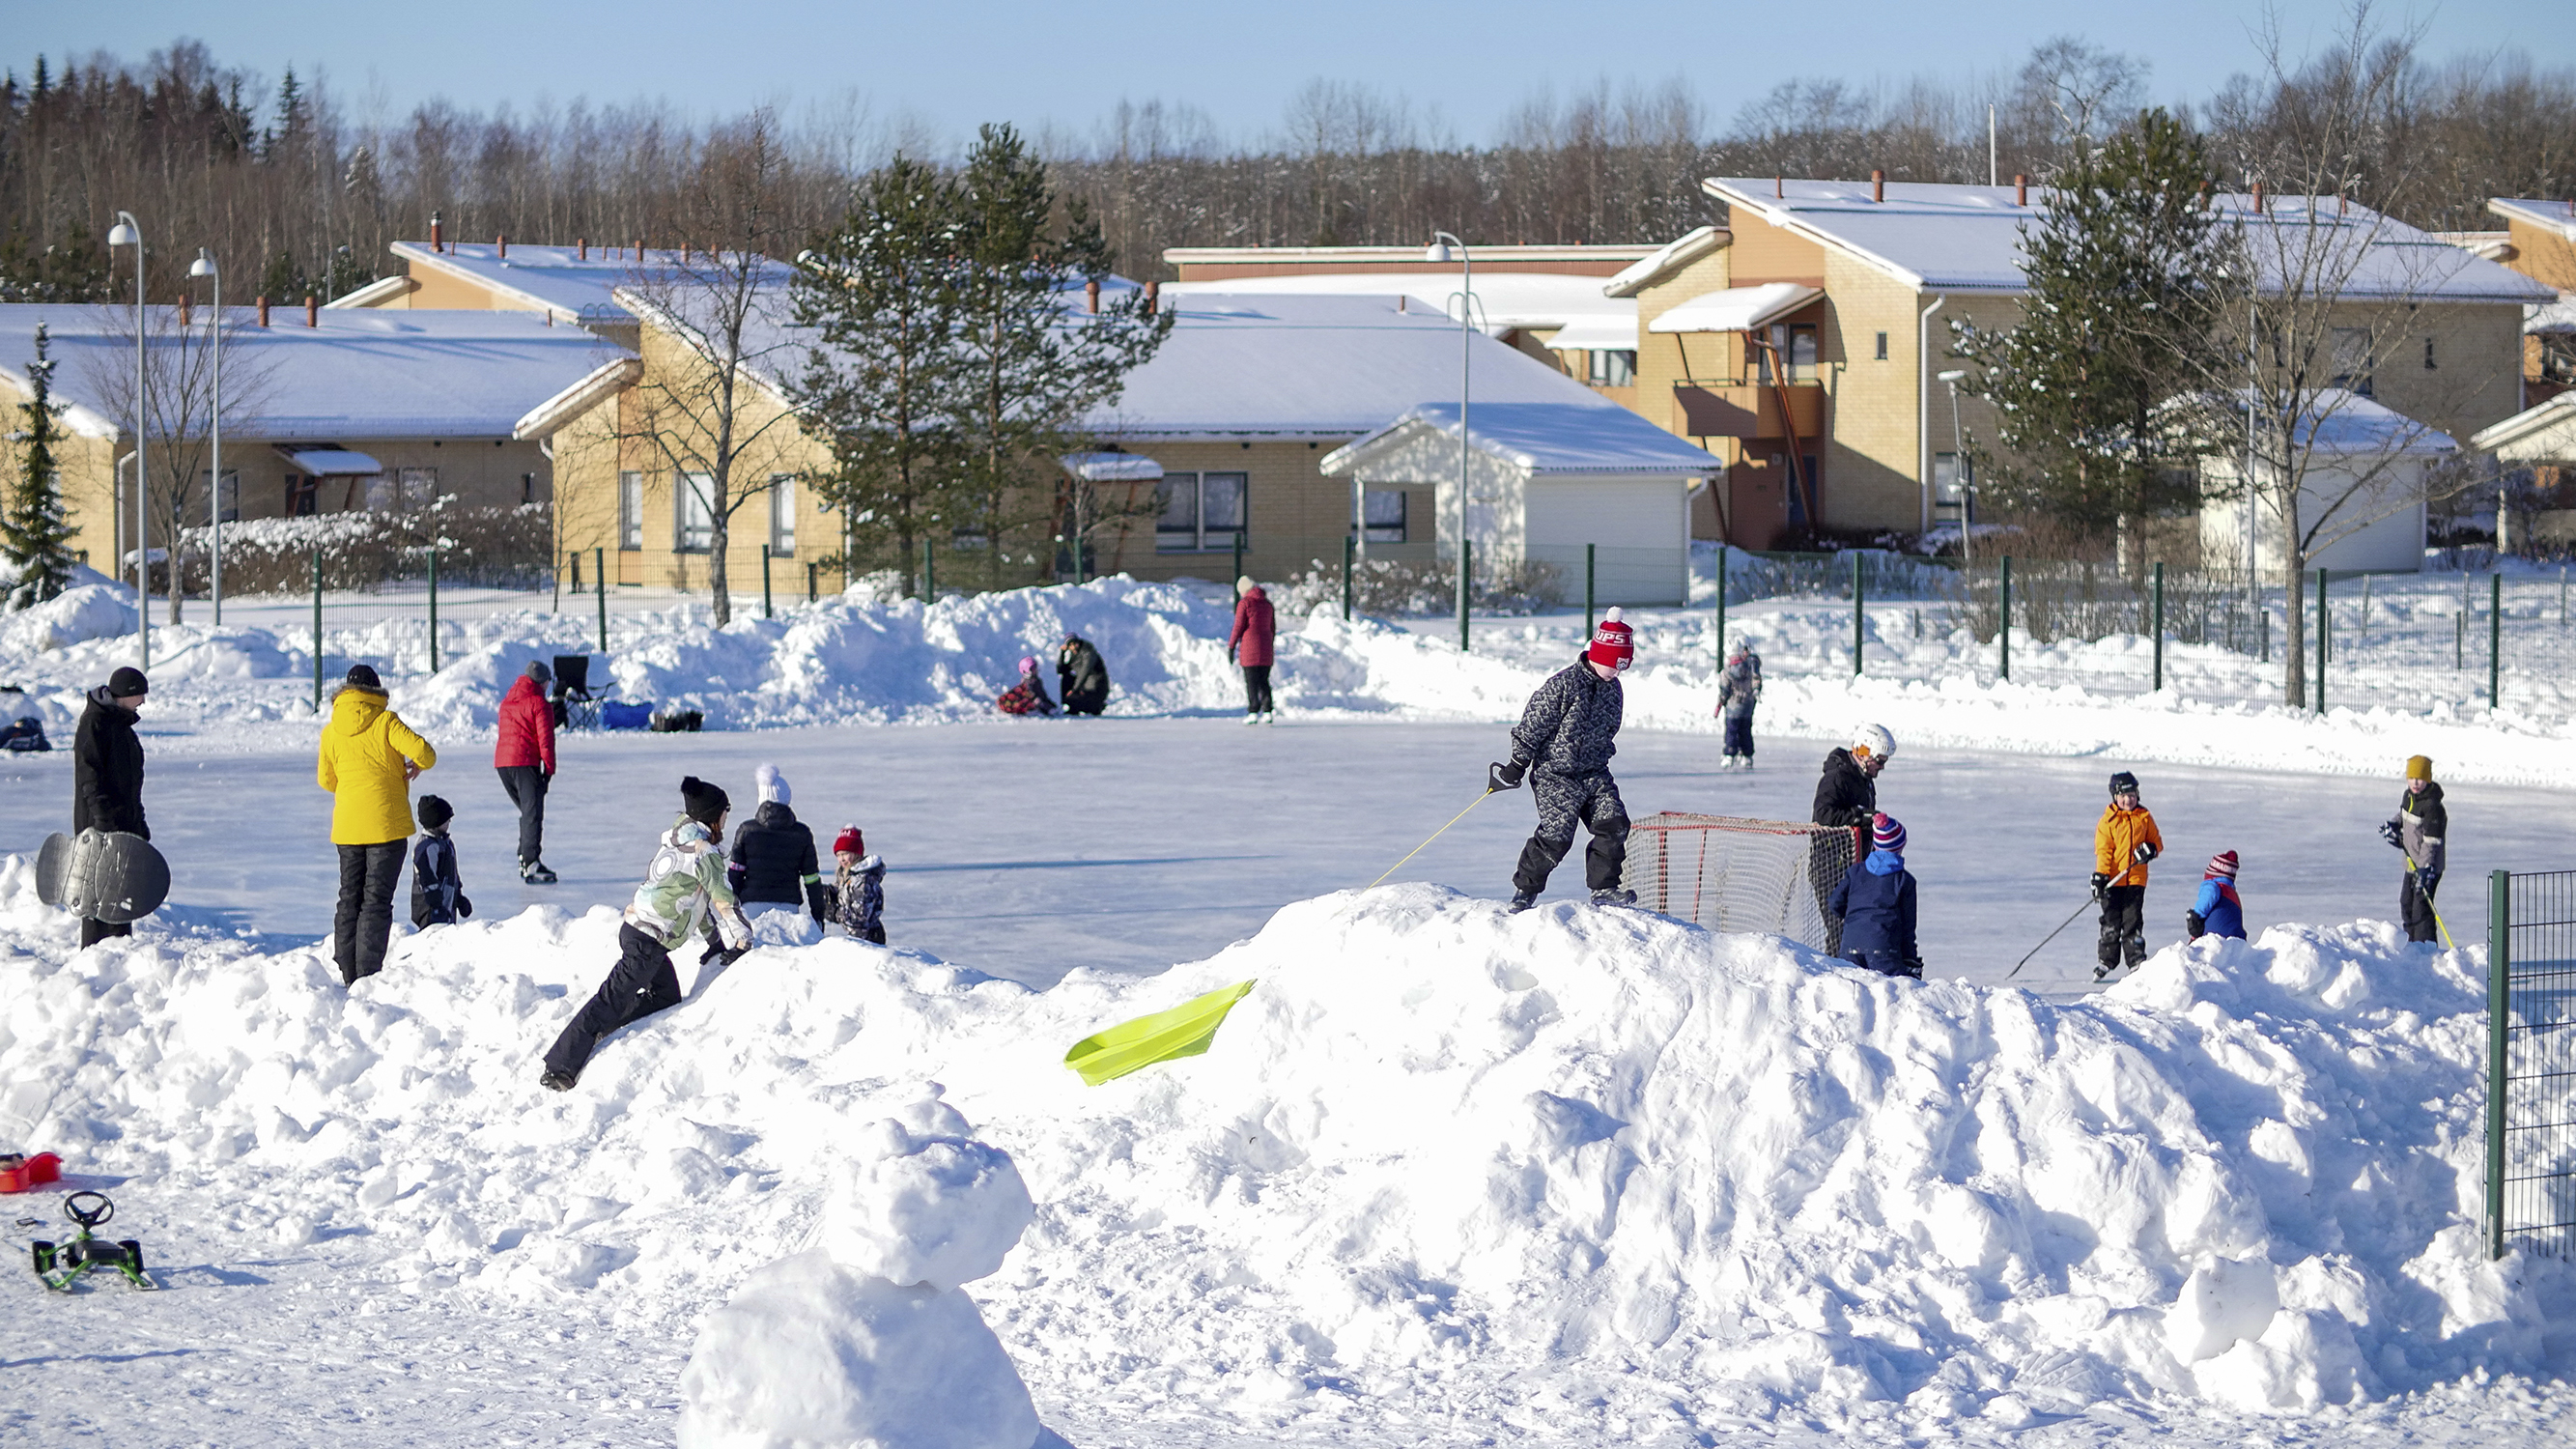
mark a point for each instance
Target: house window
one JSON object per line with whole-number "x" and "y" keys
{"x": 782, "y": 515}
{"x": 2352, "y": 359}
{"x": 1613, "y": 368}
{"x": 693, "y": 512}
{"x": 1795, "y": 344}
{"x": 630, "y": 511}
{"x": 380, "y": 492}
{"x": 303, "y": 496}
{"x": 416, "y": 488}
{"x": 2557, "y": 357}
{"x": 1382, "y": 515}
{"x": 527, "y": 488}
{"x": 1200, "y": 511}
{"x": 1882, "y": 347}
{"x": 1948, "y": 482}
{"x": 223, "y": 499}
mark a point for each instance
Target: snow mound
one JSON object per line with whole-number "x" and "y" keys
{"x": 1593, "y": 1172}
{"x": 74, "y": 616}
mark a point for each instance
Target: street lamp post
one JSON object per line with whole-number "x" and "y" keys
{"x": 1439, "y": 252}
{"x": 129, "y": 233}
{"x": 204, "y": 266}
{"x": 1959, "y": 464}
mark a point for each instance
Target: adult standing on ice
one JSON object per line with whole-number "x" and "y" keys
{"x": 684, "y": 892}
{"x": 2418, "y": 828}
{"x": 1563, "y": 745}
{"x": 107, "y": 772}
{"x": 1739, "y": 688}
{"x": 1255, "y": 628}
{"x": 368, "y": 760}
{"x": 525, "y": 757}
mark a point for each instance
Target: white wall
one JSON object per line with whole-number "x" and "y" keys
{"x": 2392, "y": 544}
{"x": 1641, "y": 527}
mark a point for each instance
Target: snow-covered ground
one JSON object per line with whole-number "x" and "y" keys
{"x": 1571, "y": 1177}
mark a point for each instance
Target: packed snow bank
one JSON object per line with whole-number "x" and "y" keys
{"x": 1589, "y": 1174}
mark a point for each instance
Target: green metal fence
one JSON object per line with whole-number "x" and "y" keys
{"x": 2531, "y": 1062}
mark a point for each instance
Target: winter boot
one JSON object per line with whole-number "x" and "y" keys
{"x": 1613, "y": 896}
{"x": 534, "y": 872}
{"x": 1252, "y": 719}
{"x": 1523, "y": 900}
{"x": 558, "y": 1081}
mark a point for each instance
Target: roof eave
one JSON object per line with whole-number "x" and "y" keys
{"x": 558, "y": 412}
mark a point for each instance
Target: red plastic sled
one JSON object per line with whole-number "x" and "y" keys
{"x": 18, "y": 1174}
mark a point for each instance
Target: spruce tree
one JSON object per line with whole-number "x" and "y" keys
{"x": 34, "y": 537}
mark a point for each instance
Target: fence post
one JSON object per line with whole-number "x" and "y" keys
{"x": 2495, "y": 639}
{"x": 929, "y": 573}
{"x": 766, "y": 611}
{"x": 1721, "y": 603}
{"x": 1588, "y": 551}
{"x": 1858, "y": 604}
{"x": 599, "y": 586}
{"x": 433, "y": 608}
{"x": 558, "y": 604}
{"x": 2321, "y": 641}
{"x": 2160, "y": 628}
{"x": 317, "y": 631}
{"x": 1350, "y": 547}
{"x": 2499, "y": 1009}
{"x": 2003, "y": 632}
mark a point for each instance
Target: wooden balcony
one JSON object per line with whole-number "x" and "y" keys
{"x": 1747, "y": 410}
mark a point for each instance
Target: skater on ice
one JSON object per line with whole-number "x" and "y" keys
{"x": 525, "y": 757}
{"x": 1029, "y": 696}
{"x": 107, "y": 773}
{"x": 858, "y": 886}
{"x": 772, "y": 864}
{"x": 2217, "y": 911}
{"x": 1875, "y": 903}
{"x": 437, "y": 889}
{"x": 2418, "y": 829}
{"x": 1739, "y": 688}
{"x": 1256, "y": 627}
{"x": 368, "y": 760}
{"x": 1081, "y": 677}
{"x": 2124, "y": 840}
{"x": 1563, "y": 745}
{"x": 684, "y": 892}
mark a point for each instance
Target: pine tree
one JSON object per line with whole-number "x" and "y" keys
{"x": 35, "y": 539}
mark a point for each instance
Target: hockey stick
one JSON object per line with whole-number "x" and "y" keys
{"x": 2439, "y": 924}
{"x": 2051, "y": 936}
{"x": 1435, "y": 835}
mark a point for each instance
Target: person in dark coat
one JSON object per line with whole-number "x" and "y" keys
{"x": 107, "y": 772}
{"x": 525, "y": 757}
{"x": 1081, "y": 678}
{"x": 772, "y": 862}
{"x": 437, "y": 890}
{"x": 1875, "y": 903}
{"x": 1256, "y": 628}
{"x": 1739, "y": 689}
{"x": 2421, "y": 828}
{"x": 1563, "y": 745}
{"x": 1846, "y": 798}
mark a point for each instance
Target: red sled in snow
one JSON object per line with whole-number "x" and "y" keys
{"x": 18, "y": 1174}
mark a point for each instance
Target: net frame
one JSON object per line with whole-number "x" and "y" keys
{"x": 1733, "y": 873}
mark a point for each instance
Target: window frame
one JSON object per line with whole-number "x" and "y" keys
{"x": 2358, "y": 384}
{"x": 1375, "y": 529}
{"x": 782, "y": 515}
{"x": 223, "y": 495}
{"x": 1198, "y": 537}
{"x": 1603, "y": 367}
{"x": 683, "y": 494}
{"x": 630, "y": 510}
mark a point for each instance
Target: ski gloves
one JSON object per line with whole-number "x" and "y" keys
{"x": 2101, "y": 882}
{"x": 2194, "y": 926}
{"x": 2145, "y": 852}
{"x": 2388, "y": 832}
{"x": 1500, "y": 776}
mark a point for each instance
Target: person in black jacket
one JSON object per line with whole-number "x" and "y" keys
{"x": 1563, "y": 745}
{"x": 2421, "y": 828}
{"x": 1846, "y": 797}
{"x": 773, "y": 861}
{"x": 1875, "y": 903}
{"x": 437, "y": 890}
{"x": 1081, "y": 678}
{"x": 107, "y": 772}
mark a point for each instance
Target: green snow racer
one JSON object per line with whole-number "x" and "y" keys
{"x": 63, "y": 1264}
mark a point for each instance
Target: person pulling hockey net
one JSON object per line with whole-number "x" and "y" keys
{"x": 1563, "y": 746}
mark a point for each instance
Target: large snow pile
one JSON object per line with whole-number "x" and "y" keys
{"x": 1576, "y": 1173}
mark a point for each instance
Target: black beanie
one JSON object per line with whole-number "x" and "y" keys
{"x": 702, "y": 802}
{"x": 127, "y": 682}
{"x": 435, "y": 812}
{"x": 364, "y": 677}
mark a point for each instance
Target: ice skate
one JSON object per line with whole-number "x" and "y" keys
{"x": 1252, "y": 719}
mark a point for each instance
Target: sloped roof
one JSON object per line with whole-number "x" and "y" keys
{"x": 2556, "y": 216}
{"x": 1664, "y": 260}
{"x": 1505, "y": 301}
{"x": 575, "y": 288}
{"x": 1541, "y": 438}
{"x": 1735, "y": 309}
{"x": 356, "y": 375}
{"x": 1943, "y": 238}
{"x": 2338, "y": 420}
{"x": 2529, "y": 426}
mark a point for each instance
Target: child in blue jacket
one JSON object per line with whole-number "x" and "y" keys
{"x": 2217, "y": 912}
{"x": 1875, "y": 900}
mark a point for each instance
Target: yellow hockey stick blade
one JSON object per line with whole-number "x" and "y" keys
{"x": 1184, "y": 1031}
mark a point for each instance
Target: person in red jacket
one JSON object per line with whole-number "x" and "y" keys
{"x": 1254, "y": 629}
{"x": 525, "y": 756}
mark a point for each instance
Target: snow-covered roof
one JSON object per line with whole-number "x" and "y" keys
{"x": 1112, "y": 467}
{"x": 356, "y": 374}
{"x": 1942, "y": 238}
{"x": 2555, "y": 316}
{"x": 2523, "y": 434}
{"x": 2555, "y": 216}
{"x": 1540, "y": 438}
{"x": 1505, "y": 301}
{"x": 1673, "y": 255}
{"x": 1736, "y": 309}
{"x": 2338, "y": 420}
{"x": 1595, "y": 334}
{"x": 561, "y": 280}
{"x": 330, "y": 462}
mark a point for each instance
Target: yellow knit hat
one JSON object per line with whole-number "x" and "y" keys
{"x": 2419, "y": 767}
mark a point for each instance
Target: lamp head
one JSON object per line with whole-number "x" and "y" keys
{"x": 1437, "y": 252}
{"x": 123, "y": 234}
{"x": 204, "y": 265}
{"x": 1952, "y": 375}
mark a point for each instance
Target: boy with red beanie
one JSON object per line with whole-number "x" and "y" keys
{"x": 858, "y": 886}
{"x": 1563, "y": 746}
{"x": 2217, "y": 912}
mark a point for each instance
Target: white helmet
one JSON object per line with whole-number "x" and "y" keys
{"x": 1873, "y": 742}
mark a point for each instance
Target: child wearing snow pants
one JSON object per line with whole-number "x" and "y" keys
{"x": 2124, "y": 840}
{"x": 1563, "y": 745}
{"x": 1875, "y": 903}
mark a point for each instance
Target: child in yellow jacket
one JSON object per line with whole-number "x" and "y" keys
{"x": 2123, "y": 843}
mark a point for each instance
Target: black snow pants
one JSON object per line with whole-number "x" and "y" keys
{"x": 2124, "y": 926}
{"x": 640, "y": 984}
{"x": 1256, "y": 689}
{"x": 1739, "y": 736}
{"x": 1565, "y": 801}
{"x": 94, "y": 931}
{"x": 365, "y": 919}
{"x": 526, "y": 786}
{"x": 2415, "y": 904}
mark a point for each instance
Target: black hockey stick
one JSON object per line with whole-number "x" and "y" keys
{"x": 2051, "y": 936}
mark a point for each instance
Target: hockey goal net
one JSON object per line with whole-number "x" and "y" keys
{"x": 1731, "y": 874}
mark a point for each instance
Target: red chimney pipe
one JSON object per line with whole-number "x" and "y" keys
{"x": 1091, "y": 295}
{"x": 582, "y": 245}
{"x": 1153, "y": 297}
{"x": 312, "y": 312}
{"x": 263, "y": 311}
{"x": 2204, "y": 196}
{"x": 2021, "y": 189}
{"x": 1878, "y": 186}
{"x": 183, "y": 309}
{"x": 2342, "y": 203}
{"x": 501, "y": 247}
{"x": 639, "y": 249}
{"x": 2258, "y": 196}
{"x": 1779, "y": 187}
{"x": 1400, "y": 300}
{"x": 437, "y": 238}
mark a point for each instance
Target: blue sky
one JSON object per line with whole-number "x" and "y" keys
{"x": 952, "y": 65}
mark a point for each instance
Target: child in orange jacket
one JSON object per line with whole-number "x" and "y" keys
{"x": 2123, "y": 843}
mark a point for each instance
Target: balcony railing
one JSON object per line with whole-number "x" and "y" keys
{"x": 1748, "y": 409}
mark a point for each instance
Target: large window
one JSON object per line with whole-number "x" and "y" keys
{"x": 693, "y": 506}
{"x": 782, "y": 515}
{"x": 1382, "y": 515}
{"x": 1201, "y": 511}
{"x": 2352, "y": 359}
{"x": 1613, "y": 368}
{"x": 224, "y": 498}
{"x": 1794, "y": 343}
{"x": 630, "y": 511}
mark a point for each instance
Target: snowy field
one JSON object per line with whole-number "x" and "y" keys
{"x": 1447, "y": 1176}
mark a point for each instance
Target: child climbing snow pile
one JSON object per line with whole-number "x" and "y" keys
{"x": 2124, "y": 840}
{"x": 858, "y": 891}
{"x": 437, "y": 892}
{"x": 2217, "y": 912}
{"x": 1875, "y": 903}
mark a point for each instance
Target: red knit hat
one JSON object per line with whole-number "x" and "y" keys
{"x": 2222, "y": 866}
{"x": 849, "y": 841}
{"x": 1613, "y": 643}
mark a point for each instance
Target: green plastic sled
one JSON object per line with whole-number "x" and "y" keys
{"x": 1183, "y": 1031}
